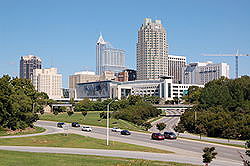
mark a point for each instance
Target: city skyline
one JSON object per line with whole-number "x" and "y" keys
{"x": 65, "y": 40}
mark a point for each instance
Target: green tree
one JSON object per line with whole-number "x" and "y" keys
{"x": 201, "y": 130}
{"x": 70, "y": 112}
{"x": 161, "y": 126}
{"x": 247, "y": 146}
{"x": 147, "y": 125}
{"x": 84, "y": 113}
{"x": 209, "y": 155}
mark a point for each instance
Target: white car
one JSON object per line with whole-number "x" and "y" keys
{"x": 116, "y": 129}
{"x": 86, "y": 128}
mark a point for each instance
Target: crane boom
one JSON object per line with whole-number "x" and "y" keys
{"x": 236, "y": 60}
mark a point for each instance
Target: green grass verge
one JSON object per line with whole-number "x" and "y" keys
{"x": 74, "y": 141}
{"x": 11, "y": 158}
{"x": 201, "y": 140}
{"x": 37, "y": 130}
{"x": 92, "y": 118}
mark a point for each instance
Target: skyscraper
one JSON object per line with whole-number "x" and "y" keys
{"x": 108, "y": 58}
{"x": 175, "y": 65}
{"x": 28, "y": 64}
{"x": 152, "y": 50}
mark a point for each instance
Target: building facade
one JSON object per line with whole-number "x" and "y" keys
{"x": 175, "y": 66}
{"x": 108, "y": 58}
{"x": 48, "y": 81}
{"x": 151, "y": 50}
{"x": 28, "y": 64}
{"x": 202, "y": 73}
{"x": 163, "y": 88}
{"x": 126, "y": 75}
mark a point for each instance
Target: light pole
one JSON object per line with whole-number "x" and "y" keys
{"x": 108, "y": 121}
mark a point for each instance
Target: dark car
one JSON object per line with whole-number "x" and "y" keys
{"x": 170, "y": 135}
{"x": 75, "y": 124}
{"x": 157, "y": 136}
{"x": 60, "y": 124}
{"x": 125, "y": 132}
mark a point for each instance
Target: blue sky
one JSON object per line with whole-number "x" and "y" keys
{"x": 64, "y": 32}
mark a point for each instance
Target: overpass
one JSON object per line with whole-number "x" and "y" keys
{"x": 172, "y": 106}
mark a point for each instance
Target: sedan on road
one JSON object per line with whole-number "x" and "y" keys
{"x": 125, "y": 132}
{"x": 116, "y": 129}
{"x": 75, "y": 124}
{"x": 60, "y": 124}
{"x": 170, "y": 135}
{"x": 157, "y": 136}
{"x": 86, "y": 128}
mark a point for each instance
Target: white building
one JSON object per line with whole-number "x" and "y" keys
{"x": 48, "y": 81}
{"x": 164, "y": 88}
{"x": 151, "y": 50}
{"x": 201, "y": 73}
{"x": 175, "y": 65}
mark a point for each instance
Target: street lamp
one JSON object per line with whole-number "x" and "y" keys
{"x": 108, "y": 121}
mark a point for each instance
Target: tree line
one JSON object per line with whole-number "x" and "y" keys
{"x": 19, "y": 103}
{"x": 222, "y": 109}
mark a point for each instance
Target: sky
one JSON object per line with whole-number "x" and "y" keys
{"x": 63, "y": 33}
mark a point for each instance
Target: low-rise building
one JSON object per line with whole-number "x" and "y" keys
{"x": 163, "y": 88}
{"x": 202, "y": 73}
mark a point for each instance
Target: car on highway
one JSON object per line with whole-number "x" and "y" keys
{"x": 170, "y": 135}
{"x": 75, "y": 124}
{"x": 86, "y": 128}
{"x": 116, "y": 129}
{"x": 125, "y": 132}
{"x": 60, "y": 124}
{"x": 157, "y": 136}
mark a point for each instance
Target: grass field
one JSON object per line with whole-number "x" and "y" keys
{"x": 92, "y": 118}
{"x": 36, "y": 130}
{"x": 11, "y": 158}
{"x": 74, "y": 141}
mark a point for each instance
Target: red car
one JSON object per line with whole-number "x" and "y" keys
{"x": 157, "y": 136}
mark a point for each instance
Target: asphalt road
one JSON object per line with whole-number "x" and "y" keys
{"x": 185, "y": 148}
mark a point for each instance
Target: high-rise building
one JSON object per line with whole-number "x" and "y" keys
{"x": 48, "y": 81}
{"x": 108, "y": 58}
{"x": 152, "y": 50}
{"x": 202, "y": 73}
{"x": 175, "y": 65}
{"x": 28, "y": 64}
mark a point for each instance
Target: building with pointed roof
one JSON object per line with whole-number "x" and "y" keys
{"x": 108, "y": 58}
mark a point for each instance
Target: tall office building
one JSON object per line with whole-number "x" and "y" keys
{"x": 48, "y": 81}
{"x": 28, "y": 64}
{"x": 175, "y": 65}
{"x": 108, "y": 58}
{"x": 152, "y": 50}
{"x": 202, "y": 73}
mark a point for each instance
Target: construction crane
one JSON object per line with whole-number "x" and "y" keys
{"x": 236, "y": 60}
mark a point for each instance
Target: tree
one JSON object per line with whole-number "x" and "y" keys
{"x": 179, "y": 128}
{"x": 70, "y": 112}
{"x": 161, "y": 126}
{"x": 84, "y": 113}
{"x": 147, "y": 125}
{"x": 209, "y": 155}
{"x": 247, "y": 146}
{"x": 200, "y": 129}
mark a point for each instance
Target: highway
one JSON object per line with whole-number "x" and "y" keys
{"x": 183, "y": 147}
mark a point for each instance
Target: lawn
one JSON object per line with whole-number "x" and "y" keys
{"x": 22, "y": 132}
{"x": 92, "y": 118}
{"x": 11, "y": 158}
{"x": 75, "y": 141}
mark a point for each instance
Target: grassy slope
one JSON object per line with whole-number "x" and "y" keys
{"x": 37, "y": 130}
{"x": 91, "y": 119}
{"x": 10, "y": 158}
{"x": 74, "y": 141}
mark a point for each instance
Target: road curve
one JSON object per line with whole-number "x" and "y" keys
{"x": 117, "y": 153}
